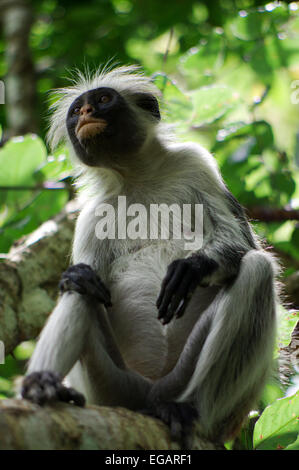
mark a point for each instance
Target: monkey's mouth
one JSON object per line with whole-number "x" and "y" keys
{"x": 89, "y": 128}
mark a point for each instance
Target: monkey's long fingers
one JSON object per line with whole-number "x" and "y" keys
{"x": 70, "y": 395}
{"x": 184, "y": 303}
{"x": 169, "y": 291}
{"x": 85, "y": 287}
{"x": 97, "y": 291}
{"x": 170, "y": 271}
{"x": 182, "y": 293}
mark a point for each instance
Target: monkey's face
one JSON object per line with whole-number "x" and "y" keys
{"x": 103, "y": 128}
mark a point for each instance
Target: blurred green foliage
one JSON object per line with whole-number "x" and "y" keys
{"x": 30, "y": 173}
{"x": 229, "y": 75}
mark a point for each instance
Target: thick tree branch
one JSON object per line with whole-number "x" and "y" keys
{"x": 24, "y": 426}
{"x": 29, "y": 277}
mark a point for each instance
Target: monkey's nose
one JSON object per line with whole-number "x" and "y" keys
{"x": 86, "y": 109}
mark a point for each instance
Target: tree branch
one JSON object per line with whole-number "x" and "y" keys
{"x": 29, "y": 278}
{"x": 272, "y": 214}
{"x": 20, "y": 81}
{"x": 25, "y": 426}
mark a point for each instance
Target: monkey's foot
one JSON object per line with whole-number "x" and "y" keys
{"x": 81, "y": 278}
{"x": 180, "y": 418}
{"x": 45, "y": 387}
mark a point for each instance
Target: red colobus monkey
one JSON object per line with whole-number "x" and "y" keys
{"x": 148, "y": 324}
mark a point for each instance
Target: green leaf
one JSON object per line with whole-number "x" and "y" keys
{"x": 294, "y": 445}
{"x": 271, "y": 392}
{"x": 201, "y": 62}
{"x": 179, "y": 105}
{"x": 287, "y": 320}
{"x": 260, "y": 130}
{"x": 43, "y": 206}
{"x": 5, "y": 385}
{"x": 242, "y": 153}
{"x": 234, "y": 130}
{"x": 57, "y": 166}
{"x": 250, "y": 26}
{"x": 278, "y": 426}
{"x": 283, "y": 182}
{"x": 24, "y": 350}
{"x": 197, "y": 107}
{"x": 212, "y": 102}
{"x": 19, "y": 158}
{"x": 297, "y": 149}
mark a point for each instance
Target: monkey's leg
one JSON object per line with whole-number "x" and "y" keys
{"x": 60, "y": 345}
{"x": 78, "y": 330}
{"x": 105, "y": 379}
{"x": 225, "y": 361}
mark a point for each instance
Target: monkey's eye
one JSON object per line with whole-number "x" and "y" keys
{"x": 76, "y": 110}
{"x": 105, "y": 99}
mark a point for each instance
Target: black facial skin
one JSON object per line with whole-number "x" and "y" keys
{"x": 148, "y": 103}
{"x": 122, "y": 136}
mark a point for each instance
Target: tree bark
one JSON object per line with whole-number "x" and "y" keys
{"x": 272, "y": 214}
{"x": 25, "y": 426}
{"x": 20, "y": 81}
{"x": 29, "y": 278}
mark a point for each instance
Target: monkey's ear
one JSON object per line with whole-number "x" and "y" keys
{"x": 149, "y": 103}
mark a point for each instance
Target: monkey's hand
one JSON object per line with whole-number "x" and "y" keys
{"x": 181, "y": 280}
{"x": 81, "y": 278}
{"x": 45, "y": 387}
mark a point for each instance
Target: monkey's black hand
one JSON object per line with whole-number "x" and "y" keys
{"x": 45, "y": 387}
{"x": 81, "y": 278}
{"x": 182, "y": 278}
{"x": 179, "y": 417}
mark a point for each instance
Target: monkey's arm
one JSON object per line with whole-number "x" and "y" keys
{"x": 56, "y": 349}
{"x": 60, "y": 345}
{"x": 79, "y": 329}
{"x": 66, "y": 333}
{"x": 227, "y": 238}
{"x": 227, "y": 357}
{"x": 76, "y": 330}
